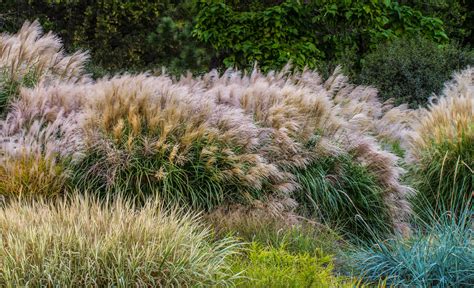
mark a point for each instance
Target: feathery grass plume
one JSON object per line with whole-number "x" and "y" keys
{"x": 362, "y": 109}
{"x": 442, "y": 151}
{"x": 309, "y": 121}
{"x": 145, "y": 135}
{"x": 30, "y": 57}
{"x": 33, "y": 161}
{"x": 84, "y": 242}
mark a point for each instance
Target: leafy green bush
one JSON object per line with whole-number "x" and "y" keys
{"x": 437, "y": 255}
{"x": 457, "y": 16}
{"x": 409, "y": 70}
{"x": 306, "y": 33}
{"x": 84, "y": 242}
{"x": 276, "y": 267}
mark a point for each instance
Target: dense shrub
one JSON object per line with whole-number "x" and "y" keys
{"x": 306, "y": 33}
{"x": 410, "y": 70}
{"x": 276, "y": 267}
{"x": 443, "y": 149}
{"x": 82, "y": 242}
{"x": 115, "y": 32}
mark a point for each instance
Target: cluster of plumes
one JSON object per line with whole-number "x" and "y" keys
{"x": 306, "y": 119}
{"x": 31, "y": 52}
{"x": 40, "y": 128}
{"x": 449, "y": 119}
{"x": 244, "y": 132}
{"x": 129, "y": 120}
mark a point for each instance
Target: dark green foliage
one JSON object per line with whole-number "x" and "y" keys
{"x": 271, "y": 37}
{"x": 344, "y": 194}
{"x": 457, "y": 16}
{"x": 306, "y": 33}
{"x": 115, "y": 31}
{"x": 410, "y": 70}
{"x": 175, "y": 48}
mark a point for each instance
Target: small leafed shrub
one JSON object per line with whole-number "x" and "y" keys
{"x": 410, "y": 70}
{"x": 276, "y": 267}
{"x": 84, "y": 242}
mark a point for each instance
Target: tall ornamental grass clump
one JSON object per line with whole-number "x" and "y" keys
{"x": 443, "y": 149}
{"x": 38, "y": 126}
{"x": 216, "y": 139}
{"x": 308, "y": 121}
{"x": 81, "y": 241}
{"x": 145, "y": 135}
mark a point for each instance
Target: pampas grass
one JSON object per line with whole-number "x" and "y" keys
{"x": 83, "y": 242}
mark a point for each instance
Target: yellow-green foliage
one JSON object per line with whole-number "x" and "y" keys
{"x": 276, "y": 267}
{"x": 81, "y": 242}
{"x": 29, "y": 176}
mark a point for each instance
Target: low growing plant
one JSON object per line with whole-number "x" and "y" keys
{"x": 439, "y": 254}
{"x": 276, "y": 267}
{"x": 85, "y": 242}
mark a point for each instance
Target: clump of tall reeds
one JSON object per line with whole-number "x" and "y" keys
{"x": 84, "y": 242}
{"x": 442, "y": 151}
